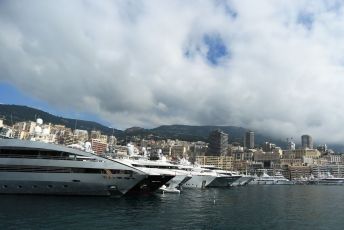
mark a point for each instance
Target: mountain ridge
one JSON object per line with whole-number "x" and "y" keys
{"x": 17, "y": 113}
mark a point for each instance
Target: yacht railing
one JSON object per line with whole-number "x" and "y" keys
{"x": 71, "y": 158}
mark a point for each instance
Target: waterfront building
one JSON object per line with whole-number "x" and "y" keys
{"x": 237, "y": 155}
{"x": 333, "y": 158}
{"x": 1, "y": 123}
{"x": 268, "y": 147}
{"x": 310, "y": 153}
{"x": 288, "y": 154}
{"x": 66, "y": 137}
{"x": 95, "y": 134}
{"x": 235, "y": 148}
{"x": 255, "y": 166}
{"x": 23, "y": 130}
{"x": 309, "y": 161}
{"x": 291, "y": 145}
{"x": 112, "y": 140}
{"x": 178, "y": 150}
{"x": 297, "y": 172}
{"x": 121, "y": 150}
{"x": 81, "y": 135}
{"x": 223, "y": 162}
{"x": 198, "y": 148}
{"x": 58, "y": 131}
{"x": 269, "y": 159}
{"x": 6, "y": 132}
{"x": 218, "y": 143}
{"x": 166, "y": 150}
{"x": 290, "y": 162}
{"x": 307, "y": 141}
{"x": 240, "y": 165}
{"x": 335, "y": 170}
{"x": 249, "y": 140}
{"x": 98, "y": 146}
{"x": 301, "y": 154}
{"x": 41, "y": 132}
{"x": 103, "y": 138}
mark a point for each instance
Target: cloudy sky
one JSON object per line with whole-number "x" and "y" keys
{"x": 275, "y": 66}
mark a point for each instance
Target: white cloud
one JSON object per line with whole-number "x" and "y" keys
{"x": 125, "y": 61}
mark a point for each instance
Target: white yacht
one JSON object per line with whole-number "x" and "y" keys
{"x": 243, "y": 180}
{"x": 31, "y": 167}
{"x": 329, "y": 179}
{"x": 201, "y": 178}
{"x": 174, "y": 178}
{"x": 224, "y": 178}
{"x": 265, "y": 179}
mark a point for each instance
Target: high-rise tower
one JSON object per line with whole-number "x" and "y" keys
{"x": 307, "y": 141}
{"x": 218, "y": 143}
{"x": 249, "y": 140}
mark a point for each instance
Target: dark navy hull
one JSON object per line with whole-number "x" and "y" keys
{"x": 149, "y": 185}
{"x": 225, "y": 181}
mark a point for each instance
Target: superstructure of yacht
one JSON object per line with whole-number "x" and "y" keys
{"x": 174, "y": 178}
{"x": 265, "y": 179}
{"x": 328, "y": 179}
{"x": 31, "y": 167}
{"x": 201, "y": 178}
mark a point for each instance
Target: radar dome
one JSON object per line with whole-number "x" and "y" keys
{"x": 39, "y": 121}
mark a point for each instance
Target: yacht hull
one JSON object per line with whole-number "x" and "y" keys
{"x": 178, "y": 181}
{"x": 254, "y": 182}
{"x": 66, "y": 184}
{"x": 149, "y": 184}
{"x": 330, "y": 181}
{"x": 199, "y": 181}
{"x": 244, "y": 180}
{"x": 223, "y": 181}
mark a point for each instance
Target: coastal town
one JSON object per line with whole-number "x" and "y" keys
{"x": 247, "y": 157}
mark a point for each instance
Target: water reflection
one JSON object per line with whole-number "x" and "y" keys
{"x": 252, "y": 207}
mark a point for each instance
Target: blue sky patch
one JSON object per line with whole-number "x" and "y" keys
{"x": 306, "y": 19}
{"x": 217, "y": 49}
{"x": 12, "y": 95}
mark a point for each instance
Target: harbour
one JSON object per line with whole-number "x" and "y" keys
{"x": 220, "y": 114}
{"x": 248, "y": 207}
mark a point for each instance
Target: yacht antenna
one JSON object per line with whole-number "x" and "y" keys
{"x": 76, "y": 121}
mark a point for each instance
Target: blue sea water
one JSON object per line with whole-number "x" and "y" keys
{"x": 250, "y": 207}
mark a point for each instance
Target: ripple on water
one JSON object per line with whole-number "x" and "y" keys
{"x": 252, "y": 207}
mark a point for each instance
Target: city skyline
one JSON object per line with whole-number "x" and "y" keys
{"x": 270, "y": 66}
{"x": 247, "y": 138}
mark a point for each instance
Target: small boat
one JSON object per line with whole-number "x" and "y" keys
{"x": 165, "y": 189}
